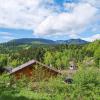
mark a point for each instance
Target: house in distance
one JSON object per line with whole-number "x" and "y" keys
{"x": 35, "y": 70}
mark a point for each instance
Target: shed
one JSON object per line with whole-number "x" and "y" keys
{"x": 5, "y": 69}
{"x": 35, "y": 70}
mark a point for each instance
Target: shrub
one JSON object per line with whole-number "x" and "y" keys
{"x": 87, "y": 84}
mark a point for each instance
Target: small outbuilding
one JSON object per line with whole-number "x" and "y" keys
{"x": 35, "y": 70}
{"x": 73, "y": 65}
{"x": 5, "y": 69}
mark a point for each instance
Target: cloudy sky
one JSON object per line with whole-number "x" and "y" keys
{"x": 51, "y": 19}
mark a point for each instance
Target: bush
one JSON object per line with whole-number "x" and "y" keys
{"x": 85, "y": 86}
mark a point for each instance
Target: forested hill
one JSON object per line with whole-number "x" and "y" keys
{"x": 72, "y": 41}
{"x": 30, "y": 41}
{"x": 58, "y": 55}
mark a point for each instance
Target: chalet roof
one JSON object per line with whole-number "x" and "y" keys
{"x": 48, "y": 67}
{"x": 30, "y": 63}
{"x": 22, "y": 66}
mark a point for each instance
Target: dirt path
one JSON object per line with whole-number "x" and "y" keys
{"x": 68, "y": 72}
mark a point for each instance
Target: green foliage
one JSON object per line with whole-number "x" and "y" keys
{"x": 14, "y": 63}
{"x": 87, "y": 76}
{"x": 86, "y": 82}
{"x": 56, "y": 55}
{"x": 3, "y": 60}
{"x": 85, "y": 86}
{"x": 48, "y": 58}
{"x": 97, "y": 56}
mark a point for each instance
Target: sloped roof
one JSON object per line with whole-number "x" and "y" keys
{"x": 48, "y": 67}
{"x": 22, "y": 66}
{"x": 30, "y": 63}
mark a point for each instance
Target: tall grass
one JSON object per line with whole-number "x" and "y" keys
{"x": 85, "y": 86}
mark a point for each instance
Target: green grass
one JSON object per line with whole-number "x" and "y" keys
{"x": 86, "y": 86}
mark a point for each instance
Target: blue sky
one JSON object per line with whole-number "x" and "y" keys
{"x": 12, "y": 33}
{"x": 51, "y": 19}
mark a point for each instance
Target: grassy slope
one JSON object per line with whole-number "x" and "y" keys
{"x": 86, "y": 86}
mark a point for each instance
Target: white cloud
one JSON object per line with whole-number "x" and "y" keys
{"x": 22, "y": 13}
{"x": 69, "y": 6}
{"x": 35, "y": 15}
{"x": 68, "y": 23}
{"x": 5, "y": 33}
{"x": 8, "y": 37}
{"x": 92, "y": 38}
{"x": 95, "y": 3}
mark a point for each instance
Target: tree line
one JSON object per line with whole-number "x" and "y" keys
{"x": 57, "y": 56}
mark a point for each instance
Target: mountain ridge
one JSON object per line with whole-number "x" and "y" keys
{"x": 23, "y": 41}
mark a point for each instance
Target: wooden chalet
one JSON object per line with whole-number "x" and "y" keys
{"x": 35, "y": 70}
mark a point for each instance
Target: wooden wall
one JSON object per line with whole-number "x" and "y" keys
{"x": 36, "y": 72}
